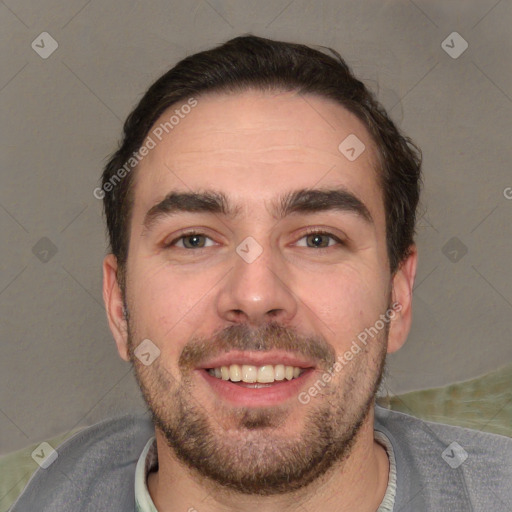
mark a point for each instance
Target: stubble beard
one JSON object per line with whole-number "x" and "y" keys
{"x": 243, "y": 449}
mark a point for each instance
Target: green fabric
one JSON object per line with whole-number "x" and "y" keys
{"x": 17, "y": 467}
{"x": 484, "y": 403}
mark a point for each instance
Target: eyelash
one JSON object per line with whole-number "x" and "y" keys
{"x": 309, "y": 231}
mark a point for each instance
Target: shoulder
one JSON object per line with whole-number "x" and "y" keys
{"x": 93, "y": 468}
{"x": 448, "y": 465}
{"x": 493, "y": 446}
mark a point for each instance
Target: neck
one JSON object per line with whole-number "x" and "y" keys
{"x": 358, "y": 482}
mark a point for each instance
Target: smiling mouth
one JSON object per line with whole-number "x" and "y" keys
{"x": 256, "y": 376}
{"x": 257, "y": 386}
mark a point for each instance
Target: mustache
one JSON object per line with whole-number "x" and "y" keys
{"x": 270, "y": 336}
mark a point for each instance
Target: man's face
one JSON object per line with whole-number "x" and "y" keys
{"x": 281, "y": 296}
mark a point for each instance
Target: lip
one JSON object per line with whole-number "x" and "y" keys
{"x": 256, "y": 358}
{"x": 257, "y": 397}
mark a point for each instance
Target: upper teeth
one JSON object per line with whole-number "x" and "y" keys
{"x": 249, "y": 373}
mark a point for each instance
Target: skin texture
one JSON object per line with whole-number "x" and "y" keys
{"x": 191, "y": 303}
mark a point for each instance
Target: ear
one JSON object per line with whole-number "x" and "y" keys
{"x": 403, "y": 282}
{"x": 113, "y": 299}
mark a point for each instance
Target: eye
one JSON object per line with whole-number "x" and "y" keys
{"x": 196, "y": 240}
{"x": 320, "y": 239}
{"x": 190, "y": 240}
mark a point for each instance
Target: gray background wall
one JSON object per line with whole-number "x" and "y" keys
{"x": 62, "y": 118}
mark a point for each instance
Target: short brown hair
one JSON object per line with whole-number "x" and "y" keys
{"x": 250, "y": 62}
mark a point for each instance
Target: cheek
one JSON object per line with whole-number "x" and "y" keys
{"x": 346, "y": 301}
{"x": 168, "y": 305}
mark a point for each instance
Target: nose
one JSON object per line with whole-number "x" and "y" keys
{"x": 257, "y": 292}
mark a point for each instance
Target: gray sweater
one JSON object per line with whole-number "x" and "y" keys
{"x": 440, "y": 468}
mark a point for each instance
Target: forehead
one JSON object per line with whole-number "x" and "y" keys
{"x": 252, "y": 145}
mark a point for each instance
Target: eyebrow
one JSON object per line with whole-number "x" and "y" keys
{"x": 300, "y": 201}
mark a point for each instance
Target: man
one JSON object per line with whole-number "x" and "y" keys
{"x": 261, "y": 213}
